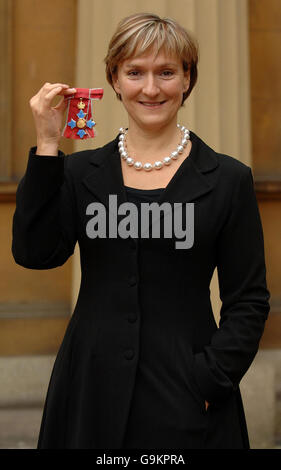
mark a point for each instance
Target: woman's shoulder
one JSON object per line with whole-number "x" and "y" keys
{"x": 232, "y": 171}
{"x": 231, "y": 163}
{"x": 225, "y": 163}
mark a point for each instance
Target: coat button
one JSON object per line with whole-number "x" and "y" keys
{"x": 132, "y": 318}
{"x": 132, "y": 280}
{"x": 129, "y": 354}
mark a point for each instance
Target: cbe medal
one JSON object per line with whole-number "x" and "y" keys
{"x": 79, "y": 117}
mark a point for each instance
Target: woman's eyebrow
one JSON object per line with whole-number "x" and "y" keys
{"x": 131, "y": 65}
{"x": 166, "y": 64}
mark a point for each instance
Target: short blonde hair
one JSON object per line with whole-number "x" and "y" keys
{"x": 136, "y": 33}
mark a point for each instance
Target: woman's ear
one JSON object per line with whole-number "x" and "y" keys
{"x": 115, "y": 82}
{"x": 186, "y": 81}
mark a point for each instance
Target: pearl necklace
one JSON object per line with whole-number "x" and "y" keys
{"x": 158, "y": 164}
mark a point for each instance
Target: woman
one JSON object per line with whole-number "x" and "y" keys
{"x": 143, "y": 363}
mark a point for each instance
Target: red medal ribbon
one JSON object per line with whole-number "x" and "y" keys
{"x": 79, "y": 117}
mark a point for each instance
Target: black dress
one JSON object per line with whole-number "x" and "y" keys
{"x": 155, "y": 415}
{"x": 142, "y": 351}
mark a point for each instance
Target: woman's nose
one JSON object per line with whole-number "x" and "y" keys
{"x": 150, "y": 86}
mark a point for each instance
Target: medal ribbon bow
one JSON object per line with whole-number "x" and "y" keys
{"x": 79, "y": 117}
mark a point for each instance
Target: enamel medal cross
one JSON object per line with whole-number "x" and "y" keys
{"x": 79, "y": 118}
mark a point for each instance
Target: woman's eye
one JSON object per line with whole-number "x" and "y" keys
{"x": 167, "y": 73}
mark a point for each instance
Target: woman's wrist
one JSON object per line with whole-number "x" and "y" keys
{"x": 47, "y": 148}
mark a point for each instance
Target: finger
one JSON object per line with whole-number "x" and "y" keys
{"x": 51, "y": 94}
{"x": 50, "y": 86}
{"x": 69, "y": 91}
{"x": 47, "y": 99}
{"x": 47, "y": 87}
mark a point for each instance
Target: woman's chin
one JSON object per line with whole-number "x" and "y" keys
{"x": 154, "y": 122}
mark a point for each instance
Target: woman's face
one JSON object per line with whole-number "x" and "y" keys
{"x": 151, "y": 88}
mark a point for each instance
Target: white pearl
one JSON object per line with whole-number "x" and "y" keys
{"x": 174, "y": 155}
{"x": 147, "y": 166}
{"x": 138, "y": 165}
{"x": 158, "y": 165}
{"x": 167, "y": 160}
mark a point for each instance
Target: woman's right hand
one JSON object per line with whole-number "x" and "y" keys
{"x": 48, "y": 119}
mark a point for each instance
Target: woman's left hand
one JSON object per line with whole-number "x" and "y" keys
{"x": 206, "y": 405}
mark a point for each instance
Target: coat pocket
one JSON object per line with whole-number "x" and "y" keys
{"x": 185, "y": 363}
{"x": 194, "y": 390}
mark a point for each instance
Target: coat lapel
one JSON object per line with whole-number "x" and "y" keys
{"x": 107, "y": 177}
{"x": 192, "y": 179}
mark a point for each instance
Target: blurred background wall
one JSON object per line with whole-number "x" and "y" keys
{"x": 235, "y": 107}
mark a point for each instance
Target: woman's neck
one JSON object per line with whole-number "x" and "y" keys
{"x": 149, "y": 144}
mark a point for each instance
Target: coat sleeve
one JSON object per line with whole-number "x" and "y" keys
{"x": 44, "y": 225}
{"x": 221, "y": 365}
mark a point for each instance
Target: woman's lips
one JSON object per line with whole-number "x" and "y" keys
{"x": 155, "y": 104}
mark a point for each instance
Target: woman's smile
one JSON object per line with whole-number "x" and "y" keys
{"x": 153, "y": 104}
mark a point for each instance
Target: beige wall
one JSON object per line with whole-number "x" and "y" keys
{"x": 265, "y": 72}
{"x": 34, "y": 305}
{"x": 5, "y": 88}
{"x": 43, "y": 44}
{"x": 265, "y": 54}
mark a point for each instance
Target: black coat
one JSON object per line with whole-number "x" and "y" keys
{"x": 142, "y": 300}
